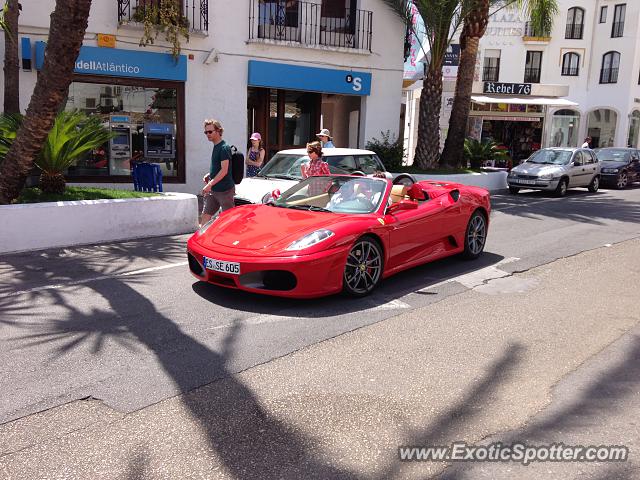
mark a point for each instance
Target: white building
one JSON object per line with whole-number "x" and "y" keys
{"x": 533, "y": 91}
{"x": 283, "y": 68}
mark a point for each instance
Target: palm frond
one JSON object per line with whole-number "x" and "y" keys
{"x": 9, "y": 126}
{"x": 73, "y": 135}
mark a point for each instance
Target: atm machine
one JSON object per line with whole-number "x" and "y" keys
{"x": 120, "y": 145}
{"x": 160, "y": 143}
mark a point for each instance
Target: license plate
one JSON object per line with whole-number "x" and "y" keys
{"x": 526, "y": 182}
{"x": 221, "y": 266}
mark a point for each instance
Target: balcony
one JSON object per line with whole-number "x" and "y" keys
{"x": 490, "y": 74}
{"x": 617, "y": 29}
{"x": 609, "y": 75}
{"x": 573, "y": 31}
{"x": 303, "y": 23}
{"x": 570, "y": 71}
{"x": 531, "y": 75}
{"x": 194, "y": 12}
{"x": 531, "y": 35}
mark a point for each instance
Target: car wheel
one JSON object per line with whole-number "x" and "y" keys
{"x": 561, "y": 189}
{"x": 514, "y": 190}
{"x": 475, "y": 236}
{"x": 363, "y": 268}
{"x": 405, "y": 179}
{"x": 622, "y": 181}
{"x": 594, "y": 185}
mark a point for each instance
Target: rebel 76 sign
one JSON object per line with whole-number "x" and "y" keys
{"x": 507, "y": 88}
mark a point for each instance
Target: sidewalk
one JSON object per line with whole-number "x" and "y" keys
{"x": 489, "y": 360}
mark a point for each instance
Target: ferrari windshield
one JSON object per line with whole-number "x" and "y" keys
{"x": 551, "y": 156}
{"x": 336, "y": 194}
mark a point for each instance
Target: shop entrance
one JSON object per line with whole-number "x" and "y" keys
{"x": 284, "y": 118}
{"x": 520, "y": 138}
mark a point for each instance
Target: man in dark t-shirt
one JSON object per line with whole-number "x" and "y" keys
{"x": 219, "y": 188}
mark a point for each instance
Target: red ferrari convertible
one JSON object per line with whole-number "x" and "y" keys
{"x": 338, "y": 233}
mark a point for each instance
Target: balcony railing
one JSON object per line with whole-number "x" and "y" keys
{"x": 303, "y": 22}
{"x": 530, "y": 32}
{"x": 490, "y": 74}
{"x": 609, "y": 75}
{"x": 573, "y": 31}
{"x": 617, "y": 30}
{"x": 570, "y": 71}
{"x": 531, "y": 75}
{"x": 195, "y": 12}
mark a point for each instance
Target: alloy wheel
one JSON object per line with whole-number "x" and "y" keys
{"x": 363, "y": 268}
{"x": 476, "y": 234}
{"x": 622, "y": 181}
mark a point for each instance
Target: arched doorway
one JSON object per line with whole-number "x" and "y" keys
{"x": 564, "y": 128}
{"x": 634, "y": 129}
{"x": 601, "y": 127}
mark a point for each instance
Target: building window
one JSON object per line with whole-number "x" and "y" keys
{"x": 571, "y": 64}
{"x": 564, "y": 128}
{"x": 603, "y": 14}
{"x": 575, "y": 23}
{"x": 491, "y": 69}
{"x": 634, "y": 129}
{"x": 601, "y": 127}
{"x": 134, "y": 110}
{"x": 610, "y": 67}
{"x": 532, "y": 67}
{"x": 617, "y": 29}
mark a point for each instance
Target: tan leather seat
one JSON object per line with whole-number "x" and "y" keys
{"x": 398, "y": 193}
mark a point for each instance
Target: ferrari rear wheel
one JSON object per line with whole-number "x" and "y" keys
{"x": 363, "y": 268}
{"x": 475, "y": 236}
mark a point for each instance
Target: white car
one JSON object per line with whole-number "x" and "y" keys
{"x": 283, "y": 171}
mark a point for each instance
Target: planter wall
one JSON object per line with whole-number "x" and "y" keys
{"x": 37, "y": 226}
{"x": 492, "y": 181}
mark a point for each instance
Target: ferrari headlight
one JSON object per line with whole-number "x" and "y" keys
{"x": 206, "y": 226}
{"x": 311, "y": 239}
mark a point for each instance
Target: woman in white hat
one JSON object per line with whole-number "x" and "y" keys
{"x": 325, "y": 137}
{"x": 255, "y": 155}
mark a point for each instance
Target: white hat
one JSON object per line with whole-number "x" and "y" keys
{"x": 324, "y": 133}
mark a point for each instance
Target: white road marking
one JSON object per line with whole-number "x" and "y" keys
{"x": 95, "y": 279}
{"x": 477, "y": 277}
{"x": 268, "y": 318}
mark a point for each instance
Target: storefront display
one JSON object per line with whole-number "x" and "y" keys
{"x": 139, "y": 97}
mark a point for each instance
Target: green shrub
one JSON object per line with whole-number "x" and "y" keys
{"x": 476, "y": 153}
{"x": 390, "y": 152}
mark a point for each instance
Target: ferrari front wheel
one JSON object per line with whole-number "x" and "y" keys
{"x": 363, "y": 268}
{"x": 475, "y": 236}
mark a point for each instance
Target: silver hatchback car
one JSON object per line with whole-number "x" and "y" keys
{"x": 556, "y": 170}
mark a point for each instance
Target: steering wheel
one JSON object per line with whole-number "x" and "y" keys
{"x": 359, "y": 173}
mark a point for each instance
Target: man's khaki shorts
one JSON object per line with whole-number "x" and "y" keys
{"x": 214, "y": 200}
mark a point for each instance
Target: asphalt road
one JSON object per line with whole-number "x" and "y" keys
{"x": 126, "y": 323}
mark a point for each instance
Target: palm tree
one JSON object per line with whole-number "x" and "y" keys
{"x": 9, "y": 23}
{"x": 68, "y": 25}
{"x": 541, "y": 13}
{"x": 441, "y": 20}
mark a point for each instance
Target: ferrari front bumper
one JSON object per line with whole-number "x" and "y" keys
{"x": 300, "y": 276}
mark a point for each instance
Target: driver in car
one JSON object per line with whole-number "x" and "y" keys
{"x": 353, "y": 191}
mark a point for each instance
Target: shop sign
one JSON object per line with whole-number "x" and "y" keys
{"x": 105, "y": 40}
{"x": 311, "y": 79}
{"x": 511, "y": 119}
{"x": 116, "y": 62}
{"x": 452, "y": 56}
{"x": 507, "y": 88}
